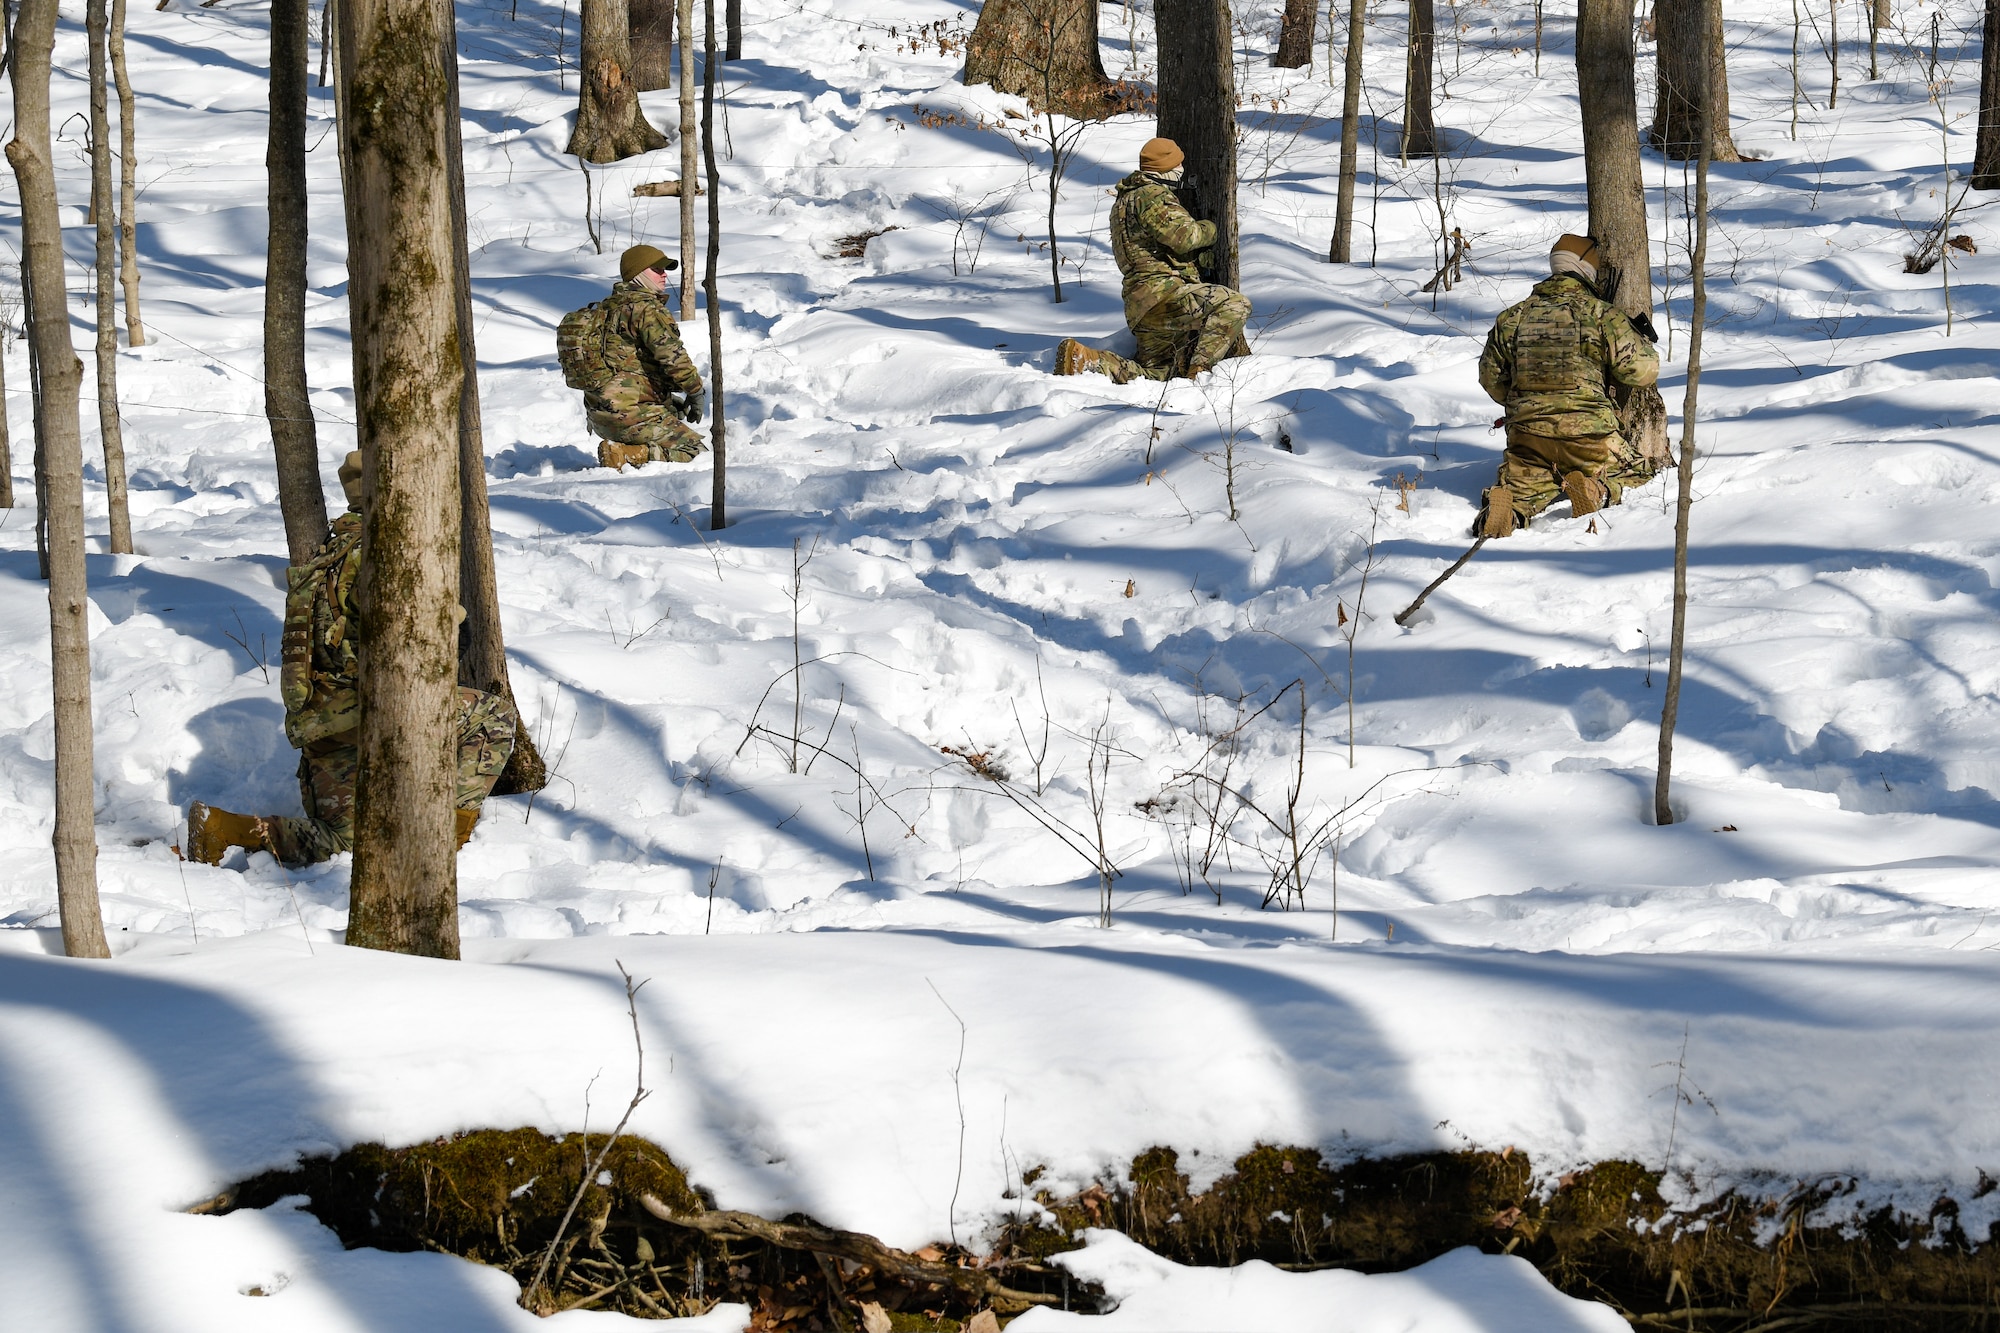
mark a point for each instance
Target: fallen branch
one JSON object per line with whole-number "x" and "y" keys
{"x": 971, "y": 1283}
{"x": 1403, "y": 616}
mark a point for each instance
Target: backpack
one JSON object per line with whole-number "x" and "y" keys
{"x": 580, "y": 347}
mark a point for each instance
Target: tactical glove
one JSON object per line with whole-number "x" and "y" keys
{"x": 695, "y": 404}
{"x": 1205, "y": 260}
{"x": 1644, "y": 323}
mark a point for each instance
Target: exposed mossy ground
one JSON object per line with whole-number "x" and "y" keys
{"x": 1605, "y": 1233}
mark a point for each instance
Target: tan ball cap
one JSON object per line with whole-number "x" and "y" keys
{"x": 642, "y": 257}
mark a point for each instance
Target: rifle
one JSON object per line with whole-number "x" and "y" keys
{"x": 1609, "y": 279}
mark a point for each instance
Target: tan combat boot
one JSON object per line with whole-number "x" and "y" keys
{"x": 212, "y": 832}
{"x": 618, "y": 457}
{"x": 1496, "y": 513}
{"x": 465, "y": 820}
{"x": 1586, "y": 493}
{"x": 1074, "y": 358}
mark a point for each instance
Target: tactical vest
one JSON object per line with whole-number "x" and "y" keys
{"x": 317, "y": 680}
{"x": 1554, "y": 351}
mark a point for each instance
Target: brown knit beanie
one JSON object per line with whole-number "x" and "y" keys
{"x": 642, "y": 257}
{"x": 1160, "y": 155}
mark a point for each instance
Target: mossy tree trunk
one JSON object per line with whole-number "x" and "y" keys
{"x": 1295, "y": 34}
{"x": 110, "y": 432}
{"x": 610, "y": 126}
{"x": 1044, "y": 51}
{"x": 652, "y": 38}
{"x": 482, "y": 648}
{"x": 128, "y": 180}
{"x": 59, "y": 440}
{"x": 287, "y": 401}
{"x": 1986, "y": 148}
{"x": 1419, "y": 123}
{"x": 407, "y": 380}
{"x": 1608, "y": 95}
{"x": 1198, "y": 112}
{"x": 689, "y": 142}
{"x": 1685, "y": 80}
{"x": 718, "y": 430}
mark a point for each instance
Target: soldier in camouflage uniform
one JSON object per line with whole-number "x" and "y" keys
{"x": 1183, "y": 326}
{"x": 323, "y": 711}
{"x": 1554, "y": 362}
{"x": 633, "y": 411}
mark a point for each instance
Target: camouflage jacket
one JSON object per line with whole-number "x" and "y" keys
{"x": 643, "y": 349}
{"x": 317, "y": 680}
{"x": 1155, "y": 242}
{"x": 1552, "y": 359}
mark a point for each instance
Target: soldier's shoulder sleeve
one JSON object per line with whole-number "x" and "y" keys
{"x": 1161, "y": 213}
{"x": 660, "y": 340}
{"x": 1496, "y": 361}
{"x": 1628, "y": 357}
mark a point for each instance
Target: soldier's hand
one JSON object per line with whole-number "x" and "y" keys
{"x": 696, "y": 404}
{"x": 1205, "y": 260}
{"x": 1644, "y": 323}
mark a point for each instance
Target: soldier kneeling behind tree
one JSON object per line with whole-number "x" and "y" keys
{"x": 320, "y": 685}
{"x": 1183, "y": 326}
{"x": 626, "y": 355}
{"x": 1553, "y": 362}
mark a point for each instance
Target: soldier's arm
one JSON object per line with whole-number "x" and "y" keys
{"x": 1496, "y": 366}
{"x": 1629, "y": 358}
{"x": 1174, "y": 227}
{"x": 660, "y": 344}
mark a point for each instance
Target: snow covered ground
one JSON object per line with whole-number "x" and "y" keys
{"x": 1043, "y": 569}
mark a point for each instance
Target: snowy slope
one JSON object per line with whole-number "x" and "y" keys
{"x": 999, "y": 557}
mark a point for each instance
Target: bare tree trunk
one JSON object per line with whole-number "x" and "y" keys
{"x": 407, "y": 380}
{"x": 1042, "y": 50}
{"x": 1986, "y": 148}
{"x": 128, "y": 180}
{"x": 685, "y": 19}
{"x": 482, "y": 649}
{"x": 652, "y": 38}
{"x": 1419, "y": 127}
{"x": 41, "y": 425}
{"x": 109, "y": 429}
{"x": 1663, "y": 812}
{"x": 287, "y": 400}
{"x": 1295, "y": 34}
{"x": 6, "y": 435}
{"x": 610, "y": 125}
{"x": 1607, "y": 92}
{"x": 61, "y": 449}
{"x": 1198, "y": 111}
{"x": 717, "y": 432}
{"x": 1683, "y": 79}
{"x": 733, "y": 41}
{"x": 1342, "y": 249}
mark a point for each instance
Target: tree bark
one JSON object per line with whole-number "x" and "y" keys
{"x": 1419, "y": 126}
{"x": 685, "y": 20}
{"x": 1986, "y": 148}
{"x": 97, "y": 22}
{"x": 718, "y": 517}
{"x": 1295, "y": 34}
{"x": 1043, "y": 50}
{"x": 482, "y": 649}
{"x": 60, "y": 439}
{"x": 1198, "y": 111}
{"x": 1608, "y": 97}
{"x": 6, "y": 435}
{"x": 733, "y": 40}
{"x": 407, "y": 379}
{"x": 1342, "y": 249}
{"x": 287, "y": 401}
{"x": 128, "y": 180}
{"x": 610, "y": 125}
{"x": 652, "y": 38}
{"x": 1677, "y": 109}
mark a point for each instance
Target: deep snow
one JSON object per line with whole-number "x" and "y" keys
{"x": 1519, "y": 951}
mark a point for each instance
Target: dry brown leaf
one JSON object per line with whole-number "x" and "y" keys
{"x": 983, "y": 1322}
{"x": 931, "y": 1253}
{"x": 1340, "y": 613}
{"x": 1505, "y": 1219}
{"x": 874, "y": 1319}
{"x": 1131, "y": 588}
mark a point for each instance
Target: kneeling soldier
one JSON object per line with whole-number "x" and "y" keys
{"x": 625, "y": 353}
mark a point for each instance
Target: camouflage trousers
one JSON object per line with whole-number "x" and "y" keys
{"x": 1184, "y": 334}
{"x": 486, "y": 727}
{"x": 1534, "y": 466}
{"x": 655, "y": 426}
